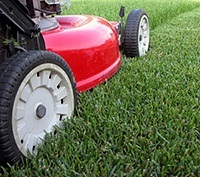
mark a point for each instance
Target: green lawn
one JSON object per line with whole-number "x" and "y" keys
{"x": 145, "y": 121}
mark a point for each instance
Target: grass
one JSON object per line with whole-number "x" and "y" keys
{"x": 145, "y": 121}
{"x": 159, "y": 11}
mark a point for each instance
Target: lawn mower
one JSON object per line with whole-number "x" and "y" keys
{"x": 47, "y": 59}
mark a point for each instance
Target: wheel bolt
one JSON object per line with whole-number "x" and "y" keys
{"x": 41, "y": 111}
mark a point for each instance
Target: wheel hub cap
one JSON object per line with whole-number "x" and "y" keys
{"x": 143, "y": 37}
{"x": 43, "y": 100}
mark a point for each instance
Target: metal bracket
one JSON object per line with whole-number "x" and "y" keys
{"x": 15, "y": 12}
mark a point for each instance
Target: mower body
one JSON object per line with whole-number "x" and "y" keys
{"x": 89, "y": 45}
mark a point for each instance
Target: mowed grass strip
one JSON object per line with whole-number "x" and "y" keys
{"x": 142, "y": 122}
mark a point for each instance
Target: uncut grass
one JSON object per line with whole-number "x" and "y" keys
{"x": 160, "y": 11}
{"x": 144, "y": 121}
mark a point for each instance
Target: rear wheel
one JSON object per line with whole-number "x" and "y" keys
{"x": 136, "y": 39}
{"x": 37, "y": 91}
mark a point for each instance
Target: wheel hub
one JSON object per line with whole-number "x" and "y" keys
{"x": 41, "y": 111}
{"x": 45, "y": 96}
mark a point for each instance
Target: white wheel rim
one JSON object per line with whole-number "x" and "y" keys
{"x": 43, "y": 99}
{"x": 143, "y": 35}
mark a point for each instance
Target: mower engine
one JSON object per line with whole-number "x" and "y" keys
{"x": 13, "y": 40}
{"x": 47, "y": 7}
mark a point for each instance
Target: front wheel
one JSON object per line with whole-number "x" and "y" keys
{"x": 37, "y": 91}
{"x": 136, "y": 35}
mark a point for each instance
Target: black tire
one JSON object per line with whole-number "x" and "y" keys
{"x": 37, "y": 90}
{"x": 136, "y": 35}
